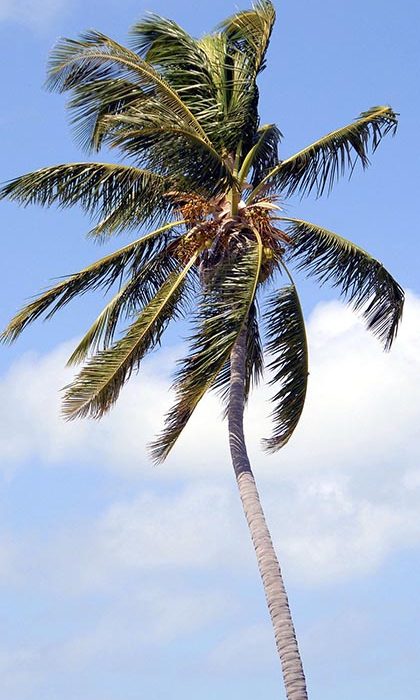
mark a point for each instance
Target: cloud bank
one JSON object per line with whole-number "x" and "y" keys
{"x": 341, "y": 497}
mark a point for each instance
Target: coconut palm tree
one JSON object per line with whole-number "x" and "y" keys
{"x": 203, "y": 173}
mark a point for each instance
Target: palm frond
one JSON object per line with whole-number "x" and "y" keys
{"x": 362, "y": 280}
{"x": 107, "y": 318}
{"x": 92, "y": 102}
{"x": 318, "y": 166}
{"x": 237, "y": 95}
{"x": 254, "y": 365}
{"x": 263, "y": 156}
{"x": 102, "y": 273}
{"x": 136, "y": 293}
{"x": 249, "y": 32}
{"x": 96, "y": 57}
{"x": 289, "y": 364}
{"x": 222, "y": 311}
{"x": 183, "y": 63}
{"x": 169, "y": 147}
{"x": 99, "y": 188}
{"x": 99, "y": 383}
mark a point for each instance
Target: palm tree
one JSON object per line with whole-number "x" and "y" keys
{"x": 204, "y": 174}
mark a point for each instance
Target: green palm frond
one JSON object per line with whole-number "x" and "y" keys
{"x": 152, "y": 103}
{"x": 92, "y": 102}
{"x": 99, "y": 188}
{"x": 254, "y": 365}
{"x": 102, "y": 273}
{"x": 98, "y": 385}
{"x": 222, "y": 311}
{"x": 289, "y": 364}
{"x": 237, "y": 95}
{"x": 170, "y": 148}
{"x": 135, "y": 294}
{"x": 263, "y": 156}
{"x": 318, "y": 166}
{"x": 104, "y": 325}
{"x": 98, "y": 57}
{"x": 249, "y": 32}
{"x": 184, "y": 64}
{"x": 362, "y": 280}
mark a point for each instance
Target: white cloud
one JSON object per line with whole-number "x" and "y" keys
{"x": 129, "y": 631}
{"x": 148, "y": 535}
{"x": 146, "y": 618}
{"x": 341, "y": 497}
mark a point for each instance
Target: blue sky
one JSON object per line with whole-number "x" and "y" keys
{"x": 122, "y": 581}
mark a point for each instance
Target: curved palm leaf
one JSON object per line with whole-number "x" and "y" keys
{"x": 153, "y": 102}
{"x": 222, "y": 311}
{"x": 106, "y": 188}
{"x": 263, "y": 156}
{"x": 179, "y": 57}
{"x": 98, "y": 57}
{"x": 92, "y": 102}
{"x": 98, "y": 385}
{"x": 103, "y": 326}
{"x": 237, "y": 95}
{"x": 318, "y": 166}
{"x": 362, "y": 279}
{"x": 102, "y": 273}
{"x": 137, "y": 292}
{"x": 169, "y": 147}
{"x": 289, "y": 365}
{"x": 254, "y": 365}
{"x": 249, "y": 32}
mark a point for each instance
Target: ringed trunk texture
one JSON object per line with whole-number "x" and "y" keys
{"x": 275, "y": 593}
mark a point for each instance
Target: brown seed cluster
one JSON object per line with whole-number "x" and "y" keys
{"x": 195, "y": 209}
{"x": 199, "y": 237}
{"x": 207, "y": 219}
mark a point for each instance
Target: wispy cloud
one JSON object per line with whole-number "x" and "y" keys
{"x": 31, "y": 12}
{"x": 341, "y": 497}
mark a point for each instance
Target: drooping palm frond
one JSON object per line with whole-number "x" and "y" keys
{"x": 362, "y": 280}
{"x": 263, "y": 156}
{"x": 169, "y": 147}
{"x": 102, "y": 273}
{"x": 98, "y": 385}
{"x": 134, "y": 295}
{"x": 183, "y": 63}
{"x": 96, "y": 57}
{"x": 129, "y": 95}
{"x": 318, "y": 166}
{"x": 254, "y": 364}
{"x": 99, "y": 188}
{"x": 289, "y": 364}
{"x": 249, "y": 32}
{"x": 103, "y": 326}
{"x": 222, "y": 311}
{"x": 92, "y": 102}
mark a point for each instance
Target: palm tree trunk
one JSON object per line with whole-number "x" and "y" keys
{"x": 278, "y": 605}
